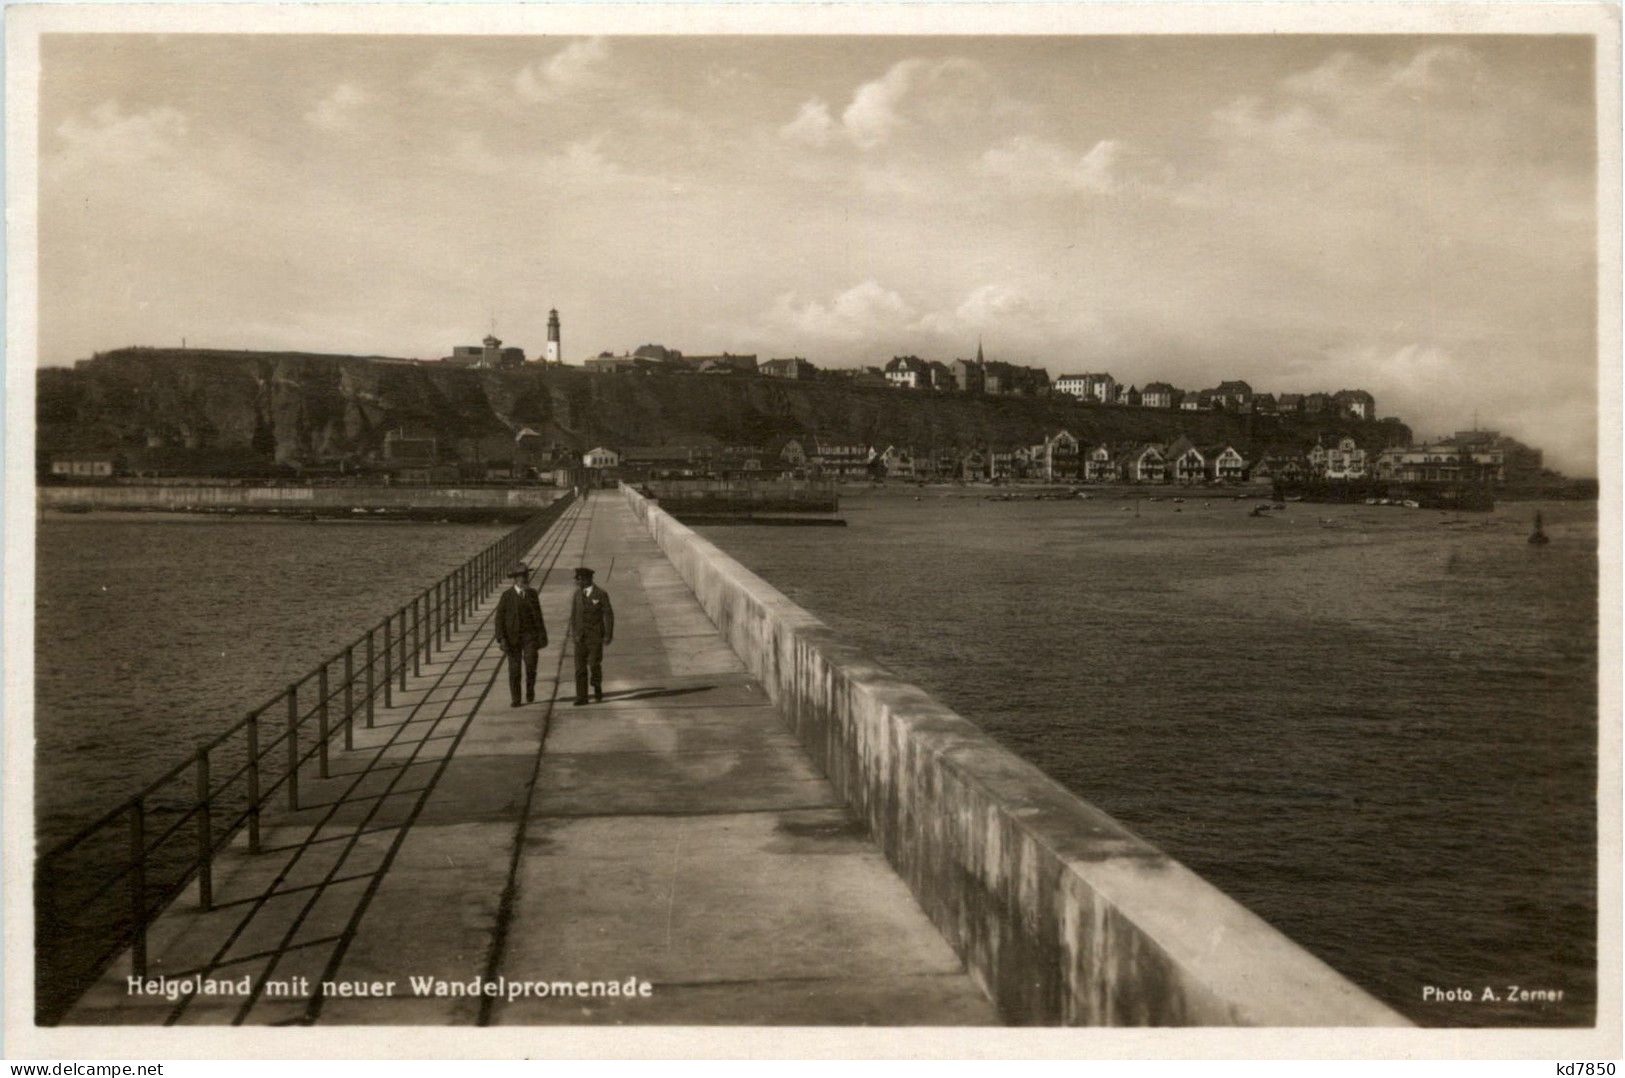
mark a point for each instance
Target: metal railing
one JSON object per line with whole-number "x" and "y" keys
{"x": 83, "y": 921}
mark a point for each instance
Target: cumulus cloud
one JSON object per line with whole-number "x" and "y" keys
{"x": 876, "y": 113}
{"x": 109, "y": 136}
{"x": 338, "y": 110}
{"x": 813, "y": 125}
{"x": 989, "y": 307}
{"x": 865, "y": 311}
{"x": 1037, "y": 165}
{"x": 578, "y": 64}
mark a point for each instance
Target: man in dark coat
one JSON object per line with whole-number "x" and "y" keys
{"x": 592, "y": 626}
{"x": 521, "y": 631}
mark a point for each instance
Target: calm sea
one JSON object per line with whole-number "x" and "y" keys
{"x": 1375, "y": 727}
{"x": 153, "y": 632}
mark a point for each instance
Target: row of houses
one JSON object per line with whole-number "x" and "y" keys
{"x": 1230, "y": 396}
{"x": 996, "y": 378}
{"x": 1061, "y": 457}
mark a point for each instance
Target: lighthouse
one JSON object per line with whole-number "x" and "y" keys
{"x": 553, "y": 353}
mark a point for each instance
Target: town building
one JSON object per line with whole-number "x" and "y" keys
{"x": 1226, "y": 464}
{"x": 1233, "y": 395}
{"x": 1345, "y": 460}
{"x": 793, "y": 368}
{"x": 1443, "y": 461}
{"x": 1099, "y": 388}
{"x": 1141, "y": 464}
{"x": 968, "y": 375}
{"x": 908, "y": 372}
{"x": 1190, "y": 463}
{"x": 601, "y": 457}
{"x": 99, "y": 464}
{"x": 1100, "y": 465}
{"x": 1057, "y": 458}
{"x": 1290, "y": 403}
{"x": 1157, "y": 395}
{"x": 973, "y": 465}
{"x": 898, "y": 461}
{"x": 1354, "y": 403}
{"x": 660, "y": 462}
{"x": 843, "y": 460}
{"x": 488, "y": 355}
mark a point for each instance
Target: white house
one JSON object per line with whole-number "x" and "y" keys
{"x": 1098, "y": 466}
{"x": 601, "y": 458}
{"x": 1346, "y": 461}
{"x": 1143, "y": 464}
{"x": 1191, "y": 466}
{"x": 1227, "y": 464}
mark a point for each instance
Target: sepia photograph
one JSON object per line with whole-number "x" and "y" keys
{"x": 893, "y": 525}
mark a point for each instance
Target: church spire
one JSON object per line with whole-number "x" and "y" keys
{"x": 978, "y": 348}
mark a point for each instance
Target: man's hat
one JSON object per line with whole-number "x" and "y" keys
{"x": 519, "y": 569}
{"x": 583, "y": 573}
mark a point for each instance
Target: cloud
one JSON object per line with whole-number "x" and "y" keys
{"x": 337, "y": 111}
{"x": 875, "y": 113}
{"x": 109, "y": 137}
{"x": 813, "y": 125}
{"x": 578, "y": 64}
{"x": 865, "y": 311}
{"x": 1036, "y": 165}
{"x": 988, "y": 307}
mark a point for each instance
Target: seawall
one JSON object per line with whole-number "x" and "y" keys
{"x": 1061, "y": 913}
{"x": 296, "y": 499}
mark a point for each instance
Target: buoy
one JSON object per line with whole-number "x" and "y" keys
{"x": 1539, "y": 538}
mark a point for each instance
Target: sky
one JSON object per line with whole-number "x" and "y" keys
{"x": 1415, "y": 216}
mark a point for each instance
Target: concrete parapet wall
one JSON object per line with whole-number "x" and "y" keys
{"x": 183, "y": 497}
{"x": 1063, "y": 914}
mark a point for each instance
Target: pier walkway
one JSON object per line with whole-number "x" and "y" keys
{"x": 675, "y": 834}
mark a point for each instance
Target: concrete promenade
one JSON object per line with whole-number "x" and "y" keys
{"x": 677, "y": 834}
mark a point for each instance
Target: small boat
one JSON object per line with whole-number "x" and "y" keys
{"x": 1259, "y": 511}
{"x": 1539, "y": 538}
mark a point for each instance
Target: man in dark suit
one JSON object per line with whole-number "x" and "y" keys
{"x": 521, "y": 631}
{"x": 592, "y": 626}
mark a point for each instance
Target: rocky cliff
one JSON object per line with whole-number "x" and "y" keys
{"x": 297, "y": 407}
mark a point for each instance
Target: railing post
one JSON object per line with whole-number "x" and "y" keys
{"x": 371, "y": 658}
{"x": 349, "y": 697}
{"x": 426, "y": 634}
{"x": 293, "y": 746}
{"x": 417, "y": 638}
{"x": 253, "y": 782}
{"x": 400, "y": 669}
{"x": 138, "y": 888}
{"x": 389, "y": 662}
{"x": 321, "y": 719}
{"x": 205, "y": 833}
{"x": 440, "y": 613}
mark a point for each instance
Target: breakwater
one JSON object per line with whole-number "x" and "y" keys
{"x": 1061, "y": 913}
{"x": 459, "y": 503}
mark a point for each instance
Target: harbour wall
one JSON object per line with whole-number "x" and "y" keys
{"x": 1062, "y": 914}
{"x": 296, "y": 499}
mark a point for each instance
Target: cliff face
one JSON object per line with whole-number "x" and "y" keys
{"x": 300, "y": 407}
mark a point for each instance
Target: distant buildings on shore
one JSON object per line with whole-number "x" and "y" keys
{"x": 1466, "y": 457}
{"x": 985, "y": 377}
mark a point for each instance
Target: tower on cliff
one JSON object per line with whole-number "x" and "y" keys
{"x": 554, "y": 355}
